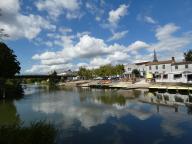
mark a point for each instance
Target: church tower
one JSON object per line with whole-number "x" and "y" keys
{"x": 155, "y": 57}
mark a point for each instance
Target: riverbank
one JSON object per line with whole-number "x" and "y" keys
{"x": 142, "y": 84}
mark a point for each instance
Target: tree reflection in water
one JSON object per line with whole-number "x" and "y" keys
{"x": 8, "y": 113}
{"x": 109, "y": 97}
{"x": 12, "y": 130}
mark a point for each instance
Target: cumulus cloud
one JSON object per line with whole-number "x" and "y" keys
{"x": 137, "y": 45}
{"x": 93, "y": 52}
{"x": 166, "y": 31}
{"x": 118, "y": 35}
{"x": 57, "y": 7}
{"x": 18, "y": 25}
{"x": 115, "y": 15}
{"x": 167, "y": 41}
{"x": 87, "y": 48}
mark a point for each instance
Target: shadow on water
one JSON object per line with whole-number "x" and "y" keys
{"x": 36, "y": 133}
{"x": 12, "y": 130}
{"x": 8, "y": 113}
{"x": 11, "y": 90}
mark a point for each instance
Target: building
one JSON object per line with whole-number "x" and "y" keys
{"x": 180, "y": 72}
{"x": 159, "y": 68}
{"x": 139, "y": 66}
{"x": 163, "y": 71}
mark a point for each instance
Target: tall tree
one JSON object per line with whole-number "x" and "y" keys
{"x": 85, "y": 73}
{"x": 119, "y": 69}
{"x": 53, "y": 78}
{"x": 188, "y": 55}
{"x": 8, "y": 62}
{"x": 9, "y": 66}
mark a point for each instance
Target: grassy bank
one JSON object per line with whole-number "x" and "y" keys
{"x": 36, "y": 133}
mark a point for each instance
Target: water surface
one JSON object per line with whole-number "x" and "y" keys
{"x": 95, "y": 116}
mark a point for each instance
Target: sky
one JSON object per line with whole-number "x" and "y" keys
{"x": 48, "y": 35}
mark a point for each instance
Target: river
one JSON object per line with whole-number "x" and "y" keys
{"x": 98, "y": 116}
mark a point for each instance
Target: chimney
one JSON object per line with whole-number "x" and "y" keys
{"x": 173, "y": 59}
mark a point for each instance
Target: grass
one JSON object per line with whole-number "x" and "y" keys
{"x": 36, "y": 133}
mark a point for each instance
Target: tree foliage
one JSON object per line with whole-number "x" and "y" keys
{"x": 53, "y": 78}
{"x": 9, "y": 66}
{"x": 188, "y": 55}
{"x": 85, "y": 73}
{"x": 102, "y": 71}
{"x": 8, "y": 62}
{"x": 136, "y": 72}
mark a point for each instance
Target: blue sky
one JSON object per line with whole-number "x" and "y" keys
{"x": 49, "y": 35}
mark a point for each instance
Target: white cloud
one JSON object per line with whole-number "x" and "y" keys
{"x": 57, "y": 7}
{"x": 42, "y": 69}
{"x": 167, "y": 41}
{"x": 146, "y": 18}
{"x": 87, "y": 48}
{"x": 95, "y": 10}
{"x": 149, "y": 19}
{"x": 137, "y": 45}
{"x": 165, "y": 32}
{"x": 17, "y": 25}
{"x": 93, "y": 52}
{"x": 115, "y": 15}
{"x": 65, "y": 30}
{"x": 118, "y": 35}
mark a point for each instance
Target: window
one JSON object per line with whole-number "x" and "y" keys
{"x": 165, "y": 76}
{"x": 186, "y": 66}
{"x": 163, "y": 66}
{"x": 149, "y": 67}
{"x": 158, "y": 76}
{"x": 129, "y": 69}
{"x": 156, "y": 67}
{"x": 177, "y": 76}
{"x": 176, "y": 67}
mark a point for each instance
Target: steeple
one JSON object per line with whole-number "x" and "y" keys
{"x": 155, "y": 57}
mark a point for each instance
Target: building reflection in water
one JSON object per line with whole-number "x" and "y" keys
{"x": 167, "y": 99}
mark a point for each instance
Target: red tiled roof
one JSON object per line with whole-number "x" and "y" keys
{"x": 141, "y": 63}
{"x": 160, "y": 62}
{"x": 181, "y": 63}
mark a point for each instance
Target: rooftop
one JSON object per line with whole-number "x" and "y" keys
{"x": 160, "y": 62}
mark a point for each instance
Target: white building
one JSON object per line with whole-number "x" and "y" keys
{"x": 180, "y": 72}
{"x": 163, "y": 71}
{"x": 139, "y": 66}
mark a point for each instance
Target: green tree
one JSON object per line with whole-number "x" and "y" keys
{"x": 136, "y": 73}
{"x": 188, "y": 55}
{"x": 53, "y": 79}
{"x": 119, "y": 69}
{"x": 85, "y": 73}
{"x": 8, "y": 62}
{"x": 9, "y": 67}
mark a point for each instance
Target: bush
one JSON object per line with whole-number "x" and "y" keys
{"x": 12, "y": 89}
{"x": 36, "y": 133}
